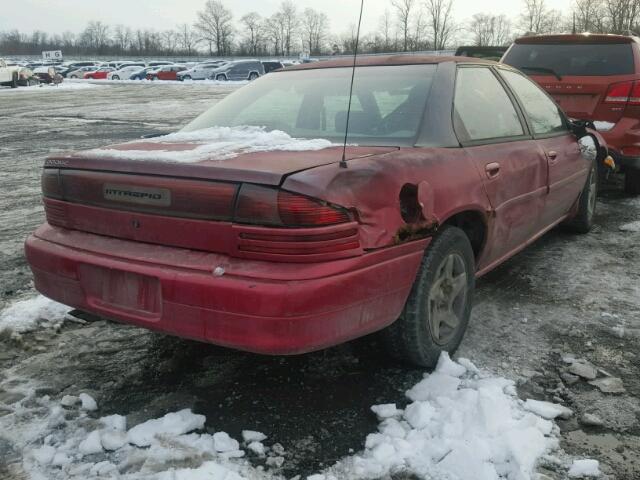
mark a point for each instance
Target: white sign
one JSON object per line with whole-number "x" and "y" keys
{"x": 52, "y": 55}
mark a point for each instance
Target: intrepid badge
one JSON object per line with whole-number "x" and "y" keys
{"x": 140, "y": 195}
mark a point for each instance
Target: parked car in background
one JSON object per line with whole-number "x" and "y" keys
{"x": 79, "y": 73}
{"x": 141, "y": 74}
{"x": 99, "y": 74}
{"x": 488, "y": 53}
{"x": 594, "y": 77}
{"x": 238, "y": 70}
{"x": 159, "y": 63}
{"x": 47, "y": 75}
{"x": 9, "y": 74}
{"x": 123, "y": 73}
{"x": 199, "y": 72}
{"x": 71, "y": 67}
{"x": 452, "y": 167}
{"x": 168, "y": 72}
{"x": 271, "y": 66}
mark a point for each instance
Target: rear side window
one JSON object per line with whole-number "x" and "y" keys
{"x": 543, "y": 114}
{"x": 573, "y": 59}
{"x": 482, "y": 108}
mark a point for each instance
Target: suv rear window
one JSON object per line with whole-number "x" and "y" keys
{"x": 573, "y": 59}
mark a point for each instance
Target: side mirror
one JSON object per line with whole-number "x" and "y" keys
{"x": 579, "y": 127}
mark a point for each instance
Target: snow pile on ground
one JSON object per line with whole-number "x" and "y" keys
{"x": 633, "y": 227}
{"x": 217, "y": 143}
{"x": 26, "y": 315}
{"x": 462, "y": 425}
{"x": 64, "y": 86}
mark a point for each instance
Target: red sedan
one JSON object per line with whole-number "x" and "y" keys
{"x": 100, "y": 74}
{"x": 167, "y": 72}
{"x": 284, "y": 246}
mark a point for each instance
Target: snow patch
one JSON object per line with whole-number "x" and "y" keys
{"x": 173, "y": 424}
{"x": 26, "y": 315}
{"x": 584, "y": 468}
{"x": 633, "y": 227}
{"x": 215, "y": 143}
{"x": 547, "y": 410}
{"x": 603, "y": 126}
{"x": 62, "y": 87}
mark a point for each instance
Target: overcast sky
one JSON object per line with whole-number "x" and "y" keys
{"x": 60, "y": 15}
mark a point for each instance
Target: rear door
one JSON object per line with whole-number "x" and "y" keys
{"x": 591, "y": 74}
{"x": 494, "y": 134}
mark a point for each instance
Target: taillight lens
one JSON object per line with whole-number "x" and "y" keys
{"x": 269, "y": 206}
{"x": 619, "y": 93}
{"x": 51, "y": 183}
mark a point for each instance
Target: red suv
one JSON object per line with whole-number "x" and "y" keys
{"x": 592, "y": 77}
{"x": 240, "y": 231}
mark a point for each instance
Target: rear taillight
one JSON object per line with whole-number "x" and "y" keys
{"x": 268, "y": 206}
{"x": 625, "y": 93}
{"x": 51, "y": 183}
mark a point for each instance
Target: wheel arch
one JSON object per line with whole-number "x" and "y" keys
{"x": 473, "y": 223}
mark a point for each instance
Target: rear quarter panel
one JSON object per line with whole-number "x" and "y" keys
{"x": 447, "y": 178}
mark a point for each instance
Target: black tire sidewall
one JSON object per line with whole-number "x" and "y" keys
{"x": 412, "y": 330}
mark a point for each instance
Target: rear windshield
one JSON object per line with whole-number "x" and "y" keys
{"x": 387, "y": 107}
{"x": 573, "y": 59}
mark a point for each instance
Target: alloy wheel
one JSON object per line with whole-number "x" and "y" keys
{"x": 447, "y": 298}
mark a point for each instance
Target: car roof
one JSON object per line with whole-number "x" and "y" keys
{"x": 383, "y": 60}
{"x": 585, "y": 38}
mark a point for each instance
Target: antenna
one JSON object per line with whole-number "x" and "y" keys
{"x": 343, "y": 162}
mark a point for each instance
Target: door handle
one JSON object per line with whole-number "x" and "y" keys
{"x": 553, "y": 156}
{"x": 492, "y": 169}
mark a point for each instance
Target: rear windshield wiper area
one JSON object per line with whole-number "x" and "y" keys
{"x": 542, "y": 69}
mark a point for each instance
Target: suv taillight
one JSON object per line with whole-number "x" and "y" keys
{"x": 625, "y": 93}
{"x": 269, "y": 206}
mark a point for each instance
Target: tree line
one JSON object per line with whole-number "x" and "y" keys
{"x": 406, "y": 25}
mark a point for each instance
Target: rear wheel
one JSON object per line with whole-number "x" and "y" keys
{"x": 221, "y": 78}
{"x": 632, "y": 181}
{"x": 437, "y": 311}
{"x": 186, "y": 77}
{"x": 115, "y": 77}
{"x": 253, "y": 76}
{"x": 14, "y": 80}
{"x": 583, "y": 221}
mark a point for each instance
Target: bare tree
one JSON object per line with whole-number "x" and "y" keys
{"x": 122, "y": 37}
{"x": 274, "y": 31}
{"x": 289, "y": 24}
{"x": 441, "y": 22}
{"x": 186, "y": 38}
{"x": 253, "y": 26}
{"x": 404, "y": 9}
{"x": 314, "y": 30}
{"x": 490, "y": 30}
{"x": 588, "y": 16}
{"x": 385, "y": 26}
{"x": 622, "y": 14}
{"x": 215, "y": 27}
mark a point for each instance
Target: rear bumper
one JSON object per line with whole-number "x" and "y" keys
{"x": 262, "y": 307}
{"x": 623, "y": 136}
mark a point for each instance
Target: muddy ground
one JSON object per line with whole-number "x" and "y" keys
{"x": 566, "y": 295}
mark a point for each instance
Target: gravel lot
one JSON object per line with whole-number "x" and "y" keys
{"x": 565, "y": 296}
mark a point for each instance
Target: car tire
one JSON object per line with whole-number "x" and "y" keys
{"x": 253, "y": 76}
{"x": 446, "y": 276}
{"x": 14, "y": 80}
{"x": 186, "y": 77}
{"x": 632, "y": 181}
{"x": 115, "y": 77}
{"x": 221, "y": 78}
{"x": 582, "y": 222}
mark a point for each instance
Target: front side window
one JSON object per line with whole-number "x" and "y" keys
{"x": 482, "y": 108}
{"x": 387, "y": 106}
{"x": 543, "y": 114}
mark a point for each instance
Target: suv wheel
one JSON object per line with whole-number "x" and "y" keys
{"x": 115, "y": 77}
{"x": 583, "y": 220}
{"x": 253, "y": 76}
{"x": 14, "y": 80}
{"x": 632, "y": 181}
{"x": 437, "y": 311}
{"x": 221, "y": 77}
{"x": 186, "y": 77}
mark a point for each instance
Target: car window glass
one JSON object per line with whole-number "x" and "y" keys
{"x": 483, "y": 110}
{"x": 388, "y": 103}
{"x": 543, "y": 114}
